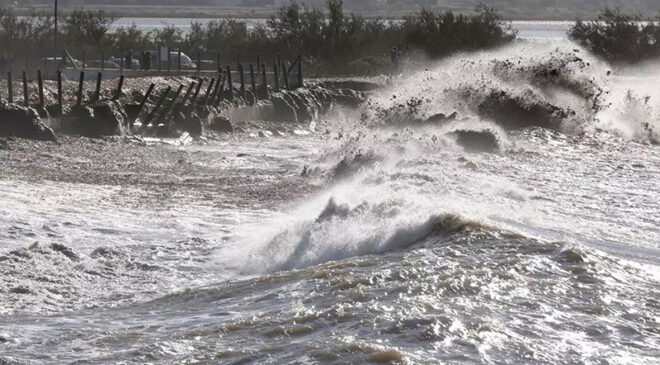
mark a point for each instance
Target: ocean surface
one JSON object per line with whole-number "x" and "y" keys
{"x": 414, "y": 246}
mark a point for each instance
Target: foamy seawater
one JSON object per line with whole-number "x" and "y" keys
{"x": 499, "y": 207}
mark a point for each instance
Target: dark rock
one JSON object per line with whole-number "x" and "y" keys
{"x": 54, "y": 110}
{"x": 43, "y": 112}
{"x": 65, "y": 251}
{"x": 4, "y": 145}
{"x": 164, "y": 131}
{"x": 477, "y": 141}
{"x": 102, "y": 119}
{"x": 283, "y": 111}
{"x": 23, "y": 122}
{"x": 132, "y": 110}
{"x": 194, "y": 126}
{"x": 441, "y": 118}
{"x": 221, "y": 124}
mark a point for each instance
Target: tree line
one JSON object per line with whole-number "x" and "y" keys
{"x": 331, "y": 40}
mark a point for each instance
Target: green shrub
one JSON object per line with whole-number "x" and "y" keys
{"x": 618, "y": 37}
{"x": 442, "y": 34}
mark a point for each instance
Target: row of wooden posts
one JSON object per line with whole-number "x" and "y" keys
{"x": 214, "y": 92}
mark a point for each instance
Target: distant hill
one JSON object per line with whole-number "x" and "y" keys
{"x": 512, "y": 9}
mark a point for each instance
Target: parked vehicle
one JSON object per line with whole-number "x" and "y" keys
{"x": 186, "y": 62}
{"x": 55, "y": 62}
{"x": 105, "y": 64}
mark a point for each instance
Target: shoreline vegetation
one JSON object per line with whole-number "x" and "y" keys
{"x": 332, "y": 42}
{"x": 618, "y": 37}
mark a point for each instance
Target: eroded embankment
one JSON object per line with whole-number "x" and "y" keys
{"x": 177, "y": 105}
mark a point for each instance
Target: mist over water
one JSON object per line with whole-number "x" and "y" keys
{"x": 494, "y": 207}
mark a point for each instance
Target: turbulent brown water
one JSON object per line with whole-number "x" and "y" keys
{"x": 498, "y": 207}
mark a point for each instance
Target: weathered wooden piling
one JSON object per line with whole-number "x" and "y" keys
{"x": 143, "y": 101}
{"x": 300, "y": 72}
{"x": 151, "y": 115}
{"x": 214, "y": 94}
{"x": 121, "y": 61}
{"x": 26, "y": 98}
{"x": 264, "y": 80}
{"x": 241, "y": 76}
{"x": 279, "y": 64}
{"x": 230, "y": 84}
{"x": 208, "y": 91}
{"x": 285, "y": 74}
{"x": 40, "y": 81}
{"x": 10, "y": 88}
{"x": 253, "y": 82}
{"x": 97, "y": 94}
{"x": 219, "y": 90}
{"x": 120, "y": 84}
{"x": 81, "y": 83}
{"x": 166, "y": 112}
{"x": 59, "y": 90}
{"x": 188, "y": 92}
{"x": 199, "y": 62}
{"x": 194, "y": 98}
{"x": 276, "y": 72}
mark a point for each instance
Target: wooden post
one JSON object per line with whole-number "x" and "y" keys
{"x": 80, "y": 88}
{"x": 214, "y": 95}
{"x": 196, "y": 94}
{"x": 167, "y": 111}
{"x": 264, "y": 80}
{"x": 59, "y": 90}
{"x": 253, "y": 82}
{"x": 144, "y": 101}
{"x": 285, "y": 73}
{"x": 40, "y": 81}
{"x": 119, "y": 87}
{"x": 199, "y": 62}
{"x": 241, "y": 76}
{"x": 208, "y": 91}
{"x": 26, "y": 98}
{"x": 230, "y": 84}
{"x": 179, "y": 66}
{"x": 160, "y": 102}
{"x": 300, "y": 72}
{"x": 279, "y": 63}
{"x": 97, "y": 94}
{"x": 220, "y": 90}
{"x": 10, "y": 88}
{"x": 277, "y": 76}
{"x": 188, "y": 92}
